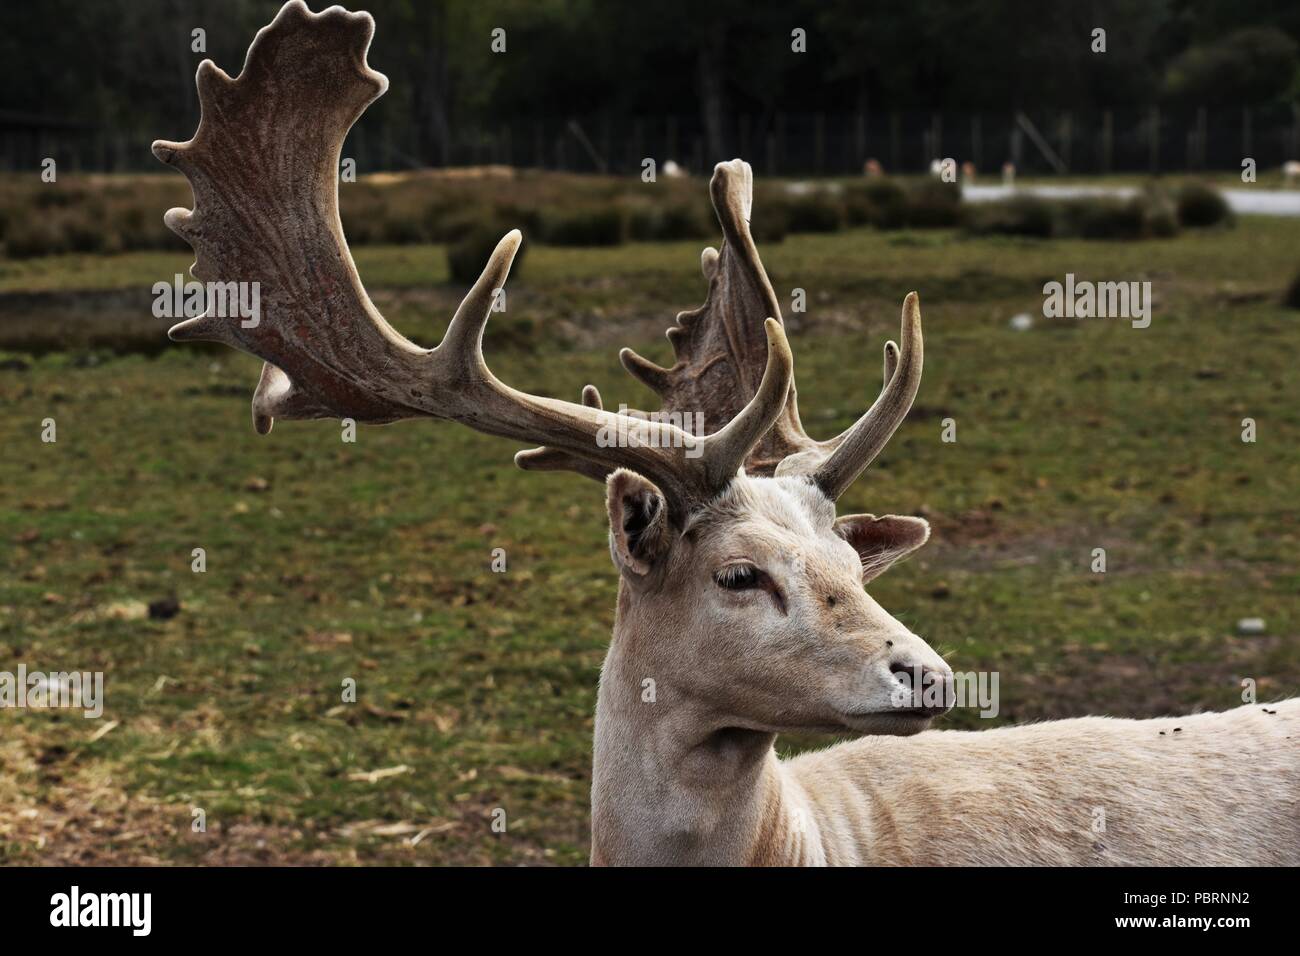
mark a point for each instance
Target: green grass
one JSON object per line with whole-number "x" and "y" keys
{"x": 371, "y": 560}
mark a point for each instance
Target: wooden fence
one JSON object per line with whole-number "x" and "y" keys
{"x": 780, "y": 144}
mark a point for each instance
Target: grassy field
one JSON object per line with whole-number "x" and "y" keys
{"x": 371, "y": 561}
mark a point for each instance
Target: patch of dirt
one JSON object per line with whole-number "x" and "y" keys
{"x": 1090, "y": 681}
{"x": 58, "y": 811}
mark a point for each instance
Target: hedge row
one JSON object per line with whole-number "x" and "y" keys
{"x": 114, "y": 214}
{"x": 1152, "y": 213}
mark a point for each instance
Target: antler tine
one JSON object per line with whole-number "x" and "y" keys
{"x": 858, "y": 446}
{"x": 263, "y": 167}
{"x": 552, "y": 459}
{"x": 891, "y": 363}
{"x": 726, "y": 450}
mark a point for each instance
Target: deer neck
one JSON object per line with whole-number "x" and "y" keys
{"x": 673, "y": 783}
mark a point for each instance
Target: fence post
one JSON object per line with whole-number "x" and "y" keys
{"x": 1107, "y": 141}
{"x": 1202, "y": 136}
{"x": 819, "y": 143}
{"x": 780, "y": 139}
{"x": 1067, "y": 136}
{"x": 976, "y": 142}
{"x": 1247, "y": 147}
{"x": 895, "y": 147}
{"x": 1155, "y": 139}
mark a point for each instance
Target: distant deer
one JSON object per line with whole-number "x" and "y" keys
{"x": 741, "y": 612}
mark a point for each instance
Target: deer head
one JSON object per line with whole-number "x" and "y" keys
{"x": 737, "y": 577}
{"x": 752, "y": 603}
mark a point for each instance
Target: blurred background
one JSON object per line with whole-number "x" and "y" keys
{"x": 592, "y": 86}
{"x": 1163, "y": 159}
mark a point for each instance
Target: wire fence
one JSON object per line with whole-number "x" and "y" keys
{"x": 779, "y": 144}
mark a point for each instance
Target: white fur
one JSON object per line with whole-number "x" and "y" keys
{"x": 692, "y": 777}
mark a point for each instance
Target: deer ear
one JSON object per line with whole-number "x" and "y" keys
{"x": 638, "y": 522}
{"x": 882, "y": 541}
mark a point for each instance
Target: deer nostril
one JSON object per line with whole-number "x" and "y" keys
{"x": 932, "y": 688}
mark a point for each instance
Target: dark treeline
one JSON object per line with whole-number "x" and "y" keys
{"x": 697, "y": 80}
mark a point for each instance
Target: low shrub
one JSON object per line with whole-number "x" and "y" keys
{"x": 593, "y": 225}
{"x": 519, "y": 215}
{"x": 446, "y": 223}
{"x": 362, "y": 217}
{"x": 933, "y": 204}
{"x": 655, "y": 222}
{"x": 139, "y": 229}
{"x": 56, "y": 198}
{"x": 1149, "y": 214}
{"x": 1200, "y": 206}
{"x": 1161, "y": 214}
{"x": 877, "y": 202}
{"x": 1291, "y": 299}
{"x": 1104, "y": 218}
{"x": 467, "y": 256}
{"x": 32, "y": 236}
{"x": 770, "y": 222}
{"x": 687, "y": 220}
{"x": 813, "y": 211}
{"x": 1018, "y": 216}
{"x": 81, "y": 235}
{"x": 400, "y": 225}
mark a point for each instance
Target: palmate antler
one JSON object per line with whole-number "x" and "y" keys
{"x": 720, "y": 351}
{"x": 263, "y": 167}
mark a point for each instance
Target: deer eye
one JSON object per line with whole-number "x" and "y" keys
{"x": 738, "y": 577}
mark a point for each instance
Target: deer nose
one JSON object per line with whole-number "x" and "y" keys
{"x": 929, "y": 688}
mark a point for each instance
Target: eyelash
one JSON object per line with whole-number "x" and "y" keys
{"x": 739, "y": 577}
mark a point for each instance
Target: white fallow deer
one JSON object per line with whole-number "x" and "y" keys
{"x": 741, "y": 593}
